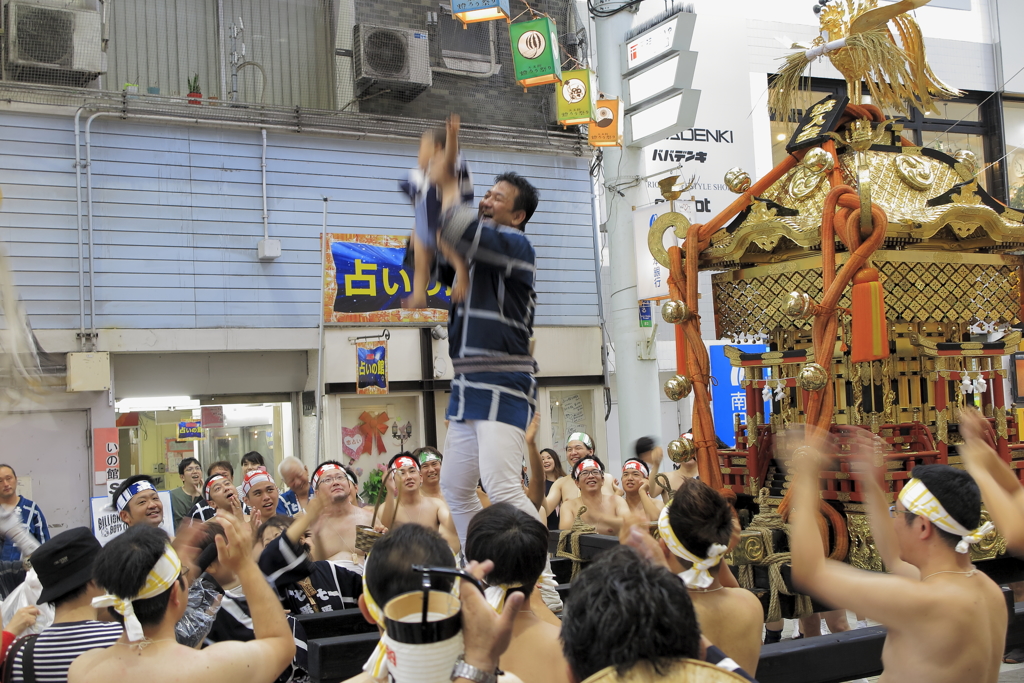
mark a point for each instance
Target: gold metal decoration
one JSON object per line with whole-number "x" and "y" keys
{"x": 675, "y": 311}
{"x": 812, "y": 377}
{"x": 863, "y": 553}
{"x": 803, "y": 182}
{"x": 737, "y": 180}
{"x": 798, "y": 305}
{"x": 681, "y": 450}
{"x": 991, "y": 545}
{"x": 818, "y": 161}
{"x": 750, "y": 549}
{"x": 672, "y": 190}
{"x": 915, "y": 171}
{"x": 968, "y": 160}
{"x": 677, "y": 222}
{"x": 678, "y": 387}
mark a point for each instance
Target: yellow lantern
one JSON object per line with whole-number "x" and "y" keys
{"x": 606, "y": 131}
{"x": 574, "y": 98}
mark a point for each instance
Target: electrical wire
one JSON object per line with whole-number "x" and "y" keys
{"x": 601, "y": 13}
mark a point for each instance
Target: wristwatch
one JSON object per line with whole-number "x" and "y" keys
{"x": 471, "y": 673}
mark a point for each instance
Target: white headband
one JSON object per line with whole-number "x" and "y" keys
{"x": 698, "y": 575}
{"x": 132, "y": 491}
{"x": 916, "y": 497}
{"x": 161, "y": 577}
{"x": 582, "y": 438}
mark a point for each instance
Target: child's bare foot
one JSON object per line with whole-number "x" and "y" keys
{"x": 459, "y": 290}
{"x": 417, "y": 299}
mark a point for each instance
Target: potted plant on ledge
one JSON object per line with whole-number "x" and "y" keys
{"x": 195, "y": 95}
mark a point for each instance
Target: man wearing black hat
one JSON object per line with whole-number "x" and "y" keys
{"x": 64, "y": 566}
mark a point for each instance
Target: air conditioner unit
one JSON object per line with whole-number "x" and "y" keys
{"x": 394, "y": 59}
{"x": 53, "y": 44}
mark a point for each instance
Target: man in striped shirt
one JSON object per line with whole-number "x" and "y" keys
{"x": 64, "y": 565}
{"x": 494, "y": 391}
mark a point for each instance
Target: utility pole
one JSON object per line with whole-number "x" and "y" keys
{"x": 637, "y": 385}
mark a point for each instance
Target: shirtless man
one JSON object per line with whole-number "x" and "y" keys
{"x": 143, "y": 577}
{"x": 605, "y": 512}
{"x": 334, "y": 532}
{"x": 949, "y": 624}
{"x": 406, "y": 504}
{"x": 635, "y": 485}
{"x": 518, "y": 545}
{"x": 652, "y": 455}
{"x": 696, "y": 529}
{"x": 430, "y": 469}
{"x": 578, "y": 446}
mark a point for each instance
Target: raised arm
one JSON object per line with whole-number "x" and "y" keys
{"x": 264, "y": 658}
{"x": 1000, "y": 490}
{"x": 653, "y": 460}
{"x": 864, "y": 449}
{"x": 886, "y": 598}
{"x": 389, "y": 509}
{"x": 652, "y": 507}
{"x": 555, "y": 497}
{"x": 535, "y": 490}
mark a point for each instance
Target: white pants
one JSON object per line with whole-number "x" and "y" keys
{"x": 492, "y": 452}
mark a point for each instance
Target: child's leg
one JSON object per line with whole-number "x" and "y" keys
{"x": 423, "y": 256}
{"x": 461, "y": 286}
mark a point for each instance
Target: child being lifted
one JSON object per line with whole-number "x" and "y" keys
{"x": 441, "y": 183}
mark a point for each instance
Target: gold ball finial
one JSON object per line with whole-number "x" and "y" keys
{"x": 681, "y": 450}
{"x": 675, "y": 311}
{"x": 812, "y": 377}
{"x": 797, "y": 305}
{"x": 678, "y": 387}
{"x": 737, "y": 180}
{"x": 818, "y": 161}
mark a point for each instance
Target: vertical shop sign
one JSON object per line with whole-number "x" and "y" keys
{"x": 645, "y": 314}
{"x": 212, "y": 416}
{"x": 372, "y": 367}
{"x": 106, "y": 459}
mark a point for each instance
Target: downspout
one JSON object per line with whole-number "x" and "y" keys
{"x": 88, "y": 196}
{"x": 263, "y": 169}
{"x": 78, "y": 219}
{"x": 320, "y": 347}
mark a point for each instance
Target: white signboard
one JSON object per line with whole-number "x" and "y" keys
{"x": 651, "y": 276}
{"x": 107, "y": 524}
{"x": 657, "y": 42}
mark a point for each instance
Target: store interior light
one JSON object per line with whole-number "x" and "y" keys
{"x": 780, "y": 137}
{"x": 154, "y": 403}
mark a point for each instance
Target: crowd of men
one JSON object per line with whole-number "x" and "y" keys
{"x": 221, "y": 600}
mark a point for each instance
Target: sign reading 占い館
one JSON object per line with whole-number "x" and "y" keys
{"x": 365, "y": 282}
{"x": 372, "y": 367}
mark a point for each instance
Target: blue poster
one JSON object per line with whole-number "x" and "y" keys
{"x": 373, "y": 370}
{"x": 373, "y": 278}
{"x": 728, "y": 397}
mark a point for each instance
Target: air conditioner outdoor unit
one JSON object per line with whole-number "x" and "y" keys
{"x": 53, "y": 44}
{"x": 395, "y": 59}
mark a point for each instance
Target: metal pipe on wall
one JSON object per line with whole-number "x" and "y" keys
{"x": 263, "y": 169}
{"x": 88, "y": 196}
{"x": 320, "y": 347}
{"x": 81, "y": 248}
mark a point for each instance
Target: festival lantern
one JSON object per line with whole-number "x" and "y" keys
{"x": 574, "y": 98}
{"x": 606, "y": 131}
{"x": 535, "y": 52}
{"x": 472, "y": 11}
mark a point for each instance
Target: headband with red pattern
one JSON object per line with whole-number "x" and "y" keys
{"x": 209, "y": 484}
{"x": 636, "y": 465}
{"x": 256, "y": 476}
{"x": 320, "y": 471}
{"x": 404, "y": 461}
{"x": 586, "y": 464}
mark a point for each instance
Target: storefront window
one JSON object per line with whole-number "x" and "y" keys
{"x": 1013, "y": 122}
{"x": 153, "y": 440}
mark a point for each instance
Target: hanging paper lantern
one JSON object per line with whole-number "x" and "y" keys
{"x": 535, "y": 53}
{"x": 606, "y": 131}
{"x": 472, "y": 11}
{"x": 574, "y": 98}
